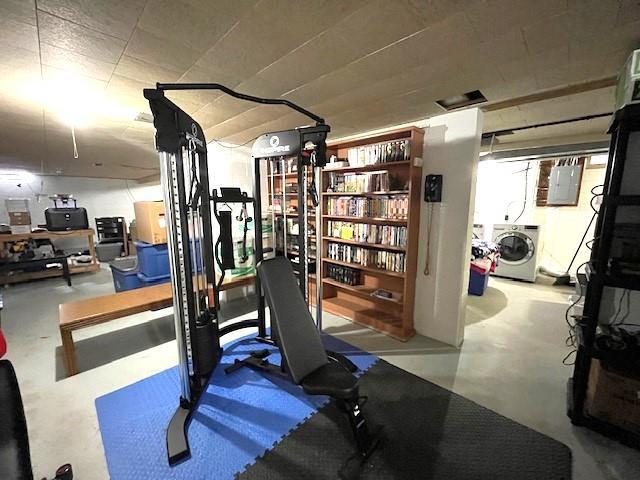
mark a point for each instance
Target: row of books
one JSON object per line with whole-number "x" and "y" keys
{"x": 394, "y": 207}
{"x": 395, "y": 151}
{"x": 359, "y": 182}
{"x": 382, "y": 259}
{"x": 392, "y": 235}
{"x": 345, "y": 275}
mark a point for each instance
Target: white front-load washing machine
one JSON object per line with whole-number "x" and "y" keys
{"x": 520, "y": 248}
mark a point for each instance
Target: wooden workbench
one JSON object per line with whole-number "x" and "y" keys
{"x": 93, "y": 311}
{"x": 93, "y": 266}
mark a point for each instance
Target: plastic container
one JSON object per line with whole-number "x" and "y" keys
{"x": 478, "y": 282}
{"x": 149, "y": 281}
{"x": 125, "y": 274}
{"x": 153, "y": 260}
{"x": 108, "y": 251}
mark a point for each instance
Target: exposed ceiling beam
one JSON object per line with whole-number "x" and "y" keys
{"x": 548, "y": 152}
{"x": 554, "y": 93}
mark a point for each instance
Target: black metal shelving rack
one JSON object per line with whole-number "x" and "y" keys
{"x": 603, "y": 271}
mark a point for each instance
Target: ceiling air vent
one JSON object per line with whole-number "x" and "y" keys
{"x": 464, "y": 100}
{"x": 144, "y": 117}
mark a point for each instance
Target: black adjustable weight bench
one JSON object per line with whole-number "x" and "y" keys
{"x": 304, "y": 358}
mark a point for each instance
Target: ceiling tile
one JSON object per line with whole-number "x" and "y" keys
{"x": 16, "y": 34}
{"x": 18, "y": 11}
{"x": 112, "y": 17}
{"x": 144, "y": 71}
{"x": 378, "y": 24}
{"x": 16, "y": 64}
{"x": 160, "y": 51}
{"x": 548, "y": 34}
{"x": 629, "y": 12}
{"x": 194, "y": 26}
{"x": 79, "y": 39}
{"x": 504, "y": 48}
{"x": 233, "y": 8}
{"x": 222, "y": 109}
{"x": 325, "y": 87}
{"x": 529, "y": 65}
{"x": 76, "y": 63}
{"x": 601, "y": 44}
{"x": 310, "y": 61}
{"x": 492, "y": 18}
{"x": 258, "y": 39}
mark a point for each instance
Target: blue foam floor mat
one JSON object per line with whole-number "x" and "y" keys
{"x": 239, "y": 417}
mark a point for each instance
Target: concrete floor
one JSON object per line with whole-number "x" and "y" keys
{"x": 511, "y": 362}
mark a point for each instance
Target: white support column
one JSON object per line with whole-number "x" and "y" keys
{"x": 451, "y": 148}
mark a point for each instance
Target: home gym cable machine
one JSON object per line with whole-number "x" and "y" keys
{"x": 188, "y": 199}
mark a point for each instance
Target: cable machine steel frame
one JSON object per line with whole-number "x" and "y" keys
{"x": 181, "y": 143}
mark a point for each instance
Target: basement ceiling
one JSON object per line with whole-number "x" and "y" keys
{"x": 362, "y": 64}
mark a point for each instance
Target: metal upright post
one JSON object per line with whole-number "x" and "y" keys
{"x": 318, "y": 173}
{"x": 302, "y": 227}
{"x": 257, "y": 214}
{"x": 283, "y": 205}
{"x": 168, "y": 181}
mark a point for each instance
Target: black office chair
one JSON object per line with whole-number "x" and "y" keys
{"x": 304, "y": 358}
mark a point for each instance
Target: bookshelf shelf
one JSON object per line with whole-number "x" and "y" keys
{"x": 393, "y": 317}
{"x": 375, "y": 220}
{"x": 366, "y": 194}
{"x": 356, "y": 266}
{"x": 370, "y": 168}
{"x": 383, "y": 322}
{"x": 361, "y": 290}
{"x": 379, "y": 246}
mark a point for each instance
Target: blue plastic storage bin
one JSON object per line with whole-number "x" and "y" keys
{"x": 478, "y": 282}
{"x": 153, "y": 260}
{"x": 149, "y": 281}
{"x": 125, "y": 274}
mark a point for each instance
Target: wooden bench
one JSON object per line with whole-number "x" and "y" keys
{"x": 93, "y": 311}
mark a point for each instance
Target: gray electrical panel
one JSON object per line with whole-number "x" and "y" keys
{"x": 564, "y": 185}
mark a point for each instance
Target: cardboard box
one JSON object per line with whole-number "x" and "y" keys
{"x": 17, "y": 204}
{"x": 19, "y": 218}
{"x": 20, "y": 229}
{"x": 151, "y": 226}
{"x": 614, "y": 396}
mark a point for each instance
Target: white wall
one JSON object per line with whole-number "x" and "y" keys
{"x": 111, "y": 198}
{"x": 101, "y": 197}
{"x": 451, "y": 148}
{"x": 500, "y": 190}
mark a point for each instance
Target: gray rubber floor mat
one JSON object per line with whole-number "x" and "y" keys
{"x": 428, "y": 433}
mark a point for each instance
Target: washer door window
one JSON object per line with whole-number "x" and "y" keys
{"x": 515, "y": 248}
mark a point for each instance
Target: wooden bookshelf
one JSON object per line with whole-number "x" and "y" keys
{"x": 394, "y": 316}
{"x": 276, "y": 182}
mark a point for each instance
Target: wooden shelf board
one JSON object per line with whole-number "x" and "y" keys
{"x": 12, "y": 237}
{"x": 378, "y": 271}
{"x": 286, "y": 175}
{"x": 89, "y": 267}
{"x": 362, "y": 290}
{"x": 368, "y": 168}
{"x": 375, "y": 319}
{"x": 48, "y": 273}
{"x": 365, "y": 244}
{"x": 365, "y": 194}
{"x": 377, "y": 220}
